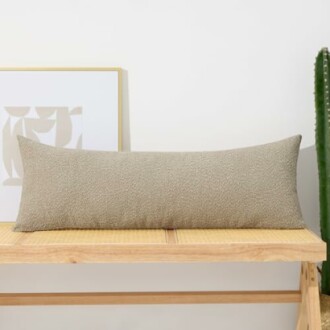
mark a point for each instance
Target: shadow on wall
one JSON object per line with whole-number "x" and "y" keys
{"x": 308, "y": 189}
{"x": 126, "y": 136}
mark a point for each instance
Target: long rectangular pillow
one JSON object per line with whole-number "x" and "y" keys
{"x": 252, "y": 187}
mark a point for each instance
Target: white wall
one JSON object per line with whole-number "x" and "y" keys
{"x": 200, "y": 75}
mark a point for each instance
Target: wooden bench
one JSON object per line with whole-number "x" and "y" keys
{"x": 141, "y": 246}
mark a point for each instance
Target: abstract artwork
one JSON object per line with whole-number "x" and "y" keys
{"x": 58, "y": 126}
{"x": 77, "y": 108}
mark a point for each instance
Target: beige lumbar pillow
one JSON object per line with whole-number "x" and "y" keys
{"x": 252, "y": 187}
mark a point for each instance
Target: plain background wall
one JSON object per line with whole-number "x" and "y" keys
{"x": 199, "y": 75}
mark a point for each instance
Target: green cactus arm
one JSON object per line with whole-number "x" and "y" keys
{"x": 322, "y": 105}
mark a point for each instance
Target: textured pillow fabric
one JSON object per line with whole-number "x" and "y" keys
{"x": 252, "y": 187}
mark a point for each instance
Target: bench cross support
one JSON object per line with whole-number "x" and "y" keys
{"x": 308, "y": 298}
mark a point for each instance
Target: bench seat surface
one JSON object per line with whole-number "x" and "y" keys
{"x": 195, "y": 245}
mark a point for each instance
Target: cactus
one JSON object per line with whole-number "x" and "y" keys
{"x": 322, "y": 138}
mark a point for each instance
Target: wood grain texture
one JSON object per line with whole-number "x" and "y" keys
{"x": 171, "y": 236}
{"x": 92, "y": 246}
{"x": 84, "y": 246}
{"x": 302, "y": 315}
{"x": 309, "y": 315}
{"x": 119, "y": 298}
{"x": 313, "y": 298}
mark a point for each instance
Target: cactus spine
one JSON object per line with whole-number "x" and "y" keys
{"x": 322, "y": 107}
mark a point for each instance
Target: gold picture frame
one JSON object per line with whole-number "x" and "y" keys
{"x": 103, "y": 94}
{"x": 120, "y": 87}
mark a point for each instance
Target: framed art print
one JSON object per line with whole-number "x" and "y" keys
{"x": 76, "y": 108}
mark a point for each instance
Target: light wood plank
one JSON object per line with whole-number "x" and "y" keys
{"x": 313, "y": 298}
{"x": 309, "y": 317}
{"x": 99, "y": 298}
{"x": 302, "y": 315}
{"x": 171, "y": 236}
{"x": 159, "y": 253}
{"x": 212, "y": 245}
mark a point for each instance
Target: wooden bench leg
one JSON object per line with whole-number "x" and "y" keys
{"x": 309, "y": 317}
